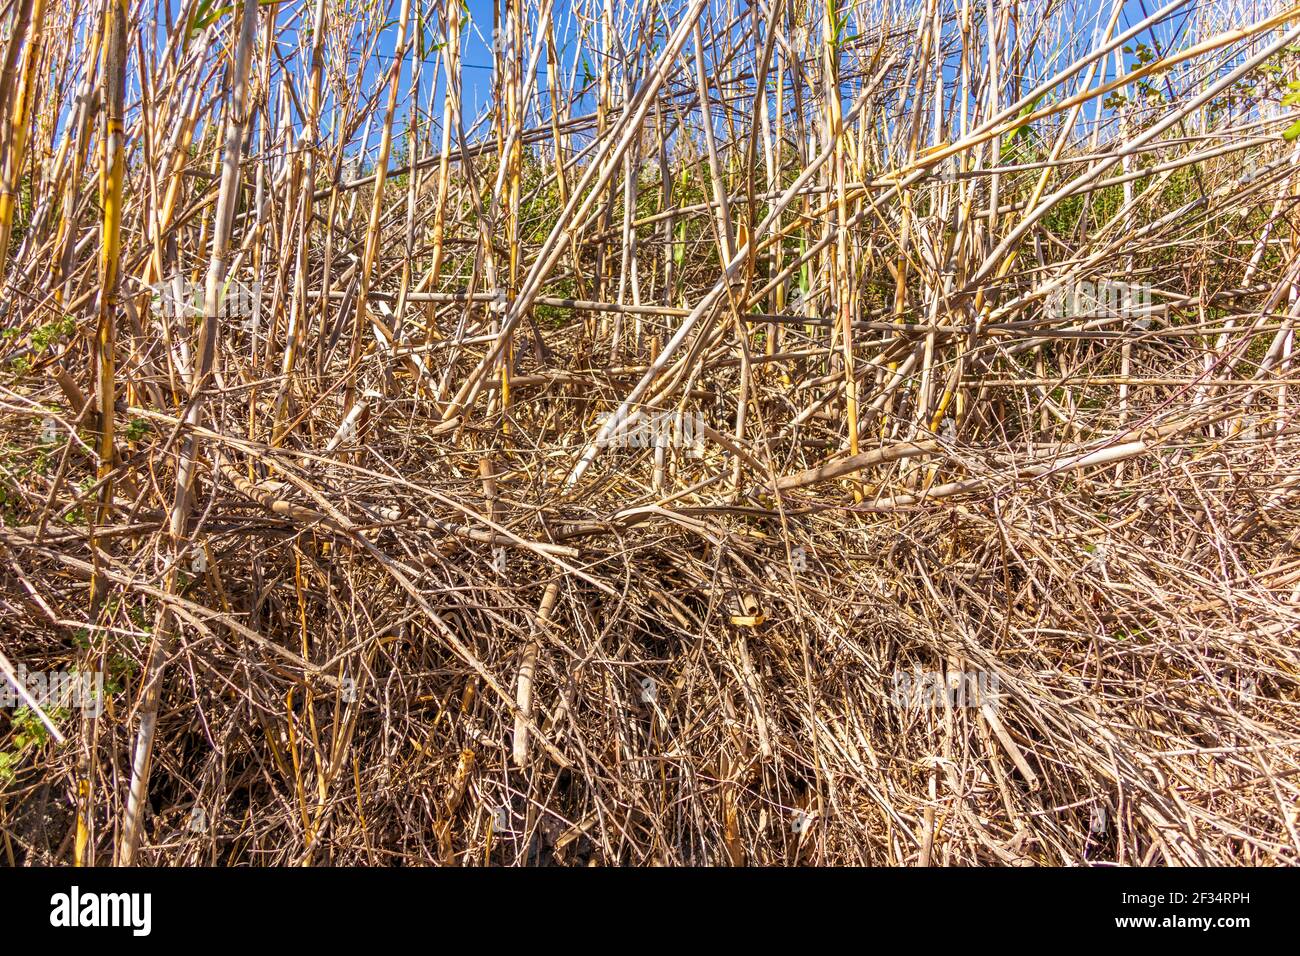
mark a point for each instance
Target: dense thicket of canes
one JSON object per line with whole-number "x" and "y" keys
{"x": 652, "y": 432}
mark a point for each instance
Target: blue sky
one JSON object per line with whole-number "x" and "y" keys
{"x": 476, "y": 75}
{"x": 477, "y": 56}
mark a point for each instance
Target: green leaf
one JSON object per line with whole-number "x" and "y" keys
{"x": 1293, "y": 132}
{"x": 1030, "y": 107}
{"x": 200, "y": 12}
{"x": 203, "y": 18}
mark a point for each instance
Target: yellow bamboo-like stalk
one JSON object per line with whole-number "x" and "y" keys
{"x": 9, "y": 69}
{"x": 71, "y": 173}
{"x": 214, "y": 292}
{"x": 15, "y": 150}
{"x": 776, "y": 331}
{"x": 844, "y": 294}
{"x": 112, "y": 168}
{"x": 361, "y": 315}
{"x": 515, "y": 124}
{"x": 553, "y": 91}
{"x": 450, "y": 105}
{"x": 301, "y": 310}
{"x": 111, "y": 172}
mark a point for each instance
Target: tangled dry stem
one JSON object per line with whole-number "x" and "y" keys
{"x": 373, "y": 579}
